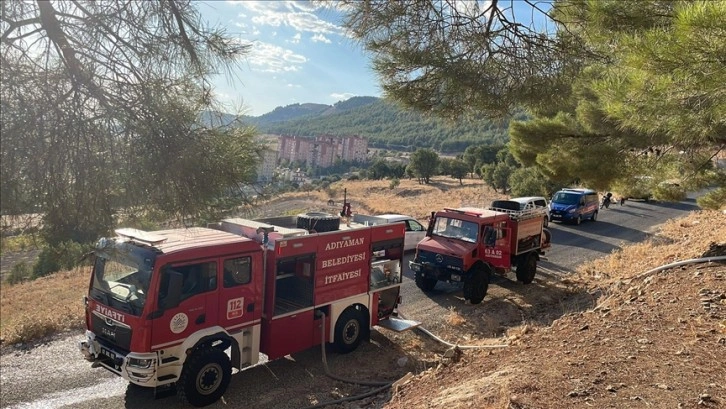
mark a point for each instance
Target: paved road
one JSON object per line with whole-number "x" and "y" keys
{"x": 55, "y": 376}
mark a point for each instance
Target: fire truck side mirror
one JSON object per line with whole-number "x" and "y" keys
{"x": 490, "y": 236}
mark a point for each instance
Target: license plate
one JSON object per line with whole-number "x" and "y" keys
{"x": 455, "y": 277}
{"x": 108, "y": 353}
{"x": 556, "y": 216}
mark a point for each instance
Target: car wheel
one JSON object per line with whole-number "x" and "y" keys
{"x": 594, "y": 217}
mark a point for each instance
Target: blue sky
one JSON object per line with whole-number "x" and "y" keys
{"x": 300, "y": 53}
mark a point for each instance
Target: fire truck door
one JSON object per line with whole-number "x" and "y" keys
{"x": 239, "y": 302}
{"x": 196, "y": 307}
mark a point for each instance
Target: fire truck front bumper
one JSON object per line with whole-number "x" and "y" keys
{"x": 135, "y": 367}
{"x": 438, "y": 272}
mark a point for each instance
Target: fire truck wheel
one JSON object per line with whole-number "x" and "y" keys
{"x": 318, "y": 221}
{"x": 476, "y": 285}
{"x": 350, "y": 330}
{"x": 526, "y": 268}
{"x": 425, "y": 284}
{"x": 205, "y": 377}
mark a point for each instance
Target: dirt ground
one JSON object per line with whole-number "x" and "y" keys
{"x": 655, "y": 340}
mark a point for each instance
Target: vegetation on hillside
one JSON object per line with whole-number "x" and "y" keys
{"x": 388, "y": 126}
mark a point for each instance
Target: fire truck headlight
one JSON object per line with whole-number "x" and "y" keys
{"x": 140, "y": 363}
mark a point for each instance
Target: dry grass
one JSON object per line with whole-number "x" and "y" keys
{"x": 679, "y": 239}
{"x": 409, "y": 197}
{"x": 33, "y": 310}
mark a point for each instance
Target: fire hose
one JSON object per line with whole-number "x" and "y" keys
{"x": 383, "y": 385}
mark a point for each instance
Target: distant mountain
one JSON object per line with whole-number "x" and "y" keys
{"x": 385, "y": 124}
{"x": 388, "y": 126}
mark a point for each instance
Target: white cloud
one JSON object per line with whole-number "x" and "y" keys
{"x": 295, "y": 39}
{"x": 320, "y": 38}
{"x": 342, "y": 96}
{"x": 294, "y": 86}
{"x": 298, "y": 15}
{"x": 266, "y": 57}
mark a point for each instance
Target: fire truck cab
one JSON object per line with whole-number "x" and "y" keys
{"x": 167, "y": 309}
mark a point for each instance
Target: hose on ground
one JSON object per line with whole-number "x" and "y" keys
{"x": 382, "y": 385}
{"x": 666, "y": 267}
{"x": 681, "y": 263}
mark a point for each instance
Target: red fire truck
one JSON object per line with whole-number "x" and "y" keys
{"x": 468, "y": 244}
{"x": 167, "y": 309}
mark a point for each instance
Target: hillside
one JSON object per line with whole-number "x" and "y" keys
{"x": 652, "y": 340}
{"x": 388, "y": 126}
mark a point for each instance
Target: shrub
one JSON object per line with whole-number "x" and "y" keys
{"x": 19, "y": 273}
{"x": 394, "y": 183}
{"x": 715, "y": 199}
{"x": 64, "y": 256}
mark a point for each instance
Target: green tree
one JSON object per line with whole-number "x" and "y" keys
{"x": 458, "y": 169}
{"x": 613, "y": 86}
{"x": 529, "y": 181}
{"x": 102, "y": 108}
{"x": 424, "y": 164}
{"x": 455, "y": 58}
{"x": 379, "y": 169}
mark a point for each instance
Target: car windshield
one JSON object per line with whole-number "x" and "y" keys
{"x": 566, "y": 198}
{"x": 455, "y": 229}
{"x": 121, "y": 276}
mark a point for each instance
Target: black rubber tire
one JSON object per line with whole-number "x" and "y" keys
{"x": 548, "y": 236}
{"x": 350, "y": 329}
{"x": 594, "y": 216}
{"x": 205, "y": 377}
{"x": 526, "y": 268}
{"x": 318, "y": 221}
{"x": 424, "y": 283}
{"x": 476, "y": 285}
{"x": 546, "y": 221}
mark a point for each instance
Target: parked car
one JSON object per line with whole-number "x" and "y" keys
{"x": 574, "y": 205}
{"x": 534, "y": 202}
{"x": 415, "y": 231}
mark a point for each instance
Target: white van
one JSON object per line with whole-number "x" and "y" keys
{"x": 534, "y": 202}
{"x": 415, "y": 231}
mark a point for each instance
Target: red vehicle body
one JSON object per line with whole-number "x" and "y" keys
{"x": 469, "y": 244}
{"x": 164, "y": 306}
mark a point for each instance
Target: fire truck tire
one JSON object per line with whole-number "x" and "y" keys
{"x": 318, "y": 221}
{"x": 476, "y": 285}
{"x": 350, "y": 329}
{"x": 205, "y": 377}
{"x": 425, "y": 284}
{"x": 526, "y": 268}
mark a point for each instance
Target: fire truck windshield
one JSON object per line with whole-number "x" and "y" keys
{"x": 121, "y": 276}
{"x": 456, "y": 229}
